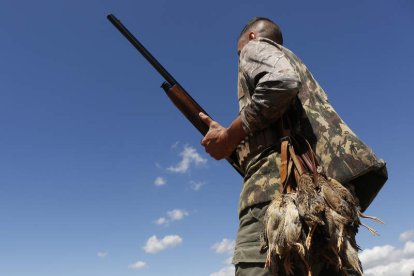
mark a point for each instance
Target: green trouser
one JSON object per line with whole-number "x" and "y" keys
{"x": 251, "y": 269}
{"x": 248, "y": 258}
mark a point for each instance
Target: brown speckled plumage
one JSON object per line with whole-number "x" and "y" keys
{"x": 315, "y": 222}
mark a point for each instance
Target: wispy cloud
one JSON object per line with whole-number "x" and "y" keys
{"x": 388, "y": 260}
{"x": 189, "y": 156}
{"x": 196, "y": 185}
{"x": 177, "y": 214}
{"x": 224, "y": 246}
{"x": 138, "y": 265}
{"x": 161, "y": 221}
{"x": 173, "y": 215}
{"x": 160, "y": 181}
{"x": 102, "y": 254}
{"x": 154, "y": 245}
{"x": 175, "y": 145}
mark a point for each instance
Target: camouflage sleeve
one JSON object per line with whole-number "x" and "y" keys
{"x": 273, "y": 81}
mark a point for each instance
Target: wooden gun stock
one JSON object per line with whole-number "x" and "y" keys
{"x": 187, "y": 105}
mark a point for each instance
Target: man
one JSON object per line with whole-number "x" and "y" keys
{"x": 272, "y": 83}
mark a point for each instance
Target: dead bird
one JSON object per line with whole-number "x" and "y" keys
{"x": 314, "y": 219}
{"x": 310, "y": 204}
{"x": 342, "y": 210}
{"x": 352, "y": 209}
{"x": 272, "y": 221}
{"x": 342, "y": 222}
{"x": 349, "y": 255}
{"x": 283, "y": 231}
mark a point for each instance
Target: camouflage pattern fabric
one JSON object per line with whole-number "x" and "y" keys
{"x": 342, "y": 155}
{"x": 261, "y": 180}
{"x": 271, "y": 77}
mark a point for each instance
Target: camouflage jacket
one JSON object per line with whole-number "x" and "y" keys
{"x": 273, "y": 80}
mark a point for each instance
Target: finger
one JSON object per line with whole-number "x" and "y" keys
{"x": 205, "y": 142}
{"x": 206, "y": 119}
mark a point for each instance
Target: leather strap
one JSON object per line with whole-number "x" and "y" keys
{"x": 283, "y": 164}
{"x": 290, "y": 162}
{"x": 296, "y": 161}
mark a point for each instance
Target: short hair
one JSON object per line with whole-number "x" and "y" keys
{"x": 272, "y": 30}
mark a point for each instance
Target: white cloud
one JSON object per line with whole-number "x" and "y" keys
{"x": 138, "y": 265}
{"x": 388, "y": 260}
{"x": 377, "y": 255}
{"x": 196, "y": 185}
{"x": 409, "y": 249}
{"x": 225, "y": 246}
{"x": 402, "y": 267}
{"x": 189, "y": 156}
{"x": 154, "y": 245}
{"x": 173, "y": 215}
{"x": 407, "y": 235}
{"x": 177, "y": 214}
{"x": 160, "y": 181}
{"x": 102, "y": 254}
{"x": 225, "y": 271}
{"x": 161, "y": 221}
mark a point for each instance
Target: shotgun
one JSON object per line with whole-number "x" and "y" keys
{"x": 181, "y": 99}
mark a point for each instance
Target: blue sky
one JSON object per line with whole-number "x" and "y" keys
{"x": 101, "y": 175}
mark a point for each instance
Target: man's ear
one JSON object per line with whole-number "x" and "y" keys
{"x": 252, "y": 35}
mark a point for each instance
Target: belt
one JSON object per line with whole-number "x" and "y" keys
{"x": 258, "y": 142}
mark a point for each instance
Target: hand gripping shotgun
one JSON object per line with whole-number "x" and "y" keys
{"x": 181, "y": 99}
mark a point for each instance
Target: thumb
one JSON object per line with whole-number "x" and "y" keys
{"x": 206, "y": 119}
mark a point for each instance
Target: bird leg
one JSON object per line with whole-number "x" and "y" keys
{"x": 340, "y": 237}
{"x": 300, "y": 249}
{"x": 269, "y": 258}
{"x": 309, "y": 236}
{"x": 362, "y": 215}
{"x": 372, "y": 230}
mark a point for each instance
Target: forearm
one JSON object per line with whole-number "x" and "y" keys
{"x": 236, "y": 133}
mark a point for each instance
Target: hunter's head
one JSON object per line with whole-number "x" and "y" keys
{"x": 259, "y": 27}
